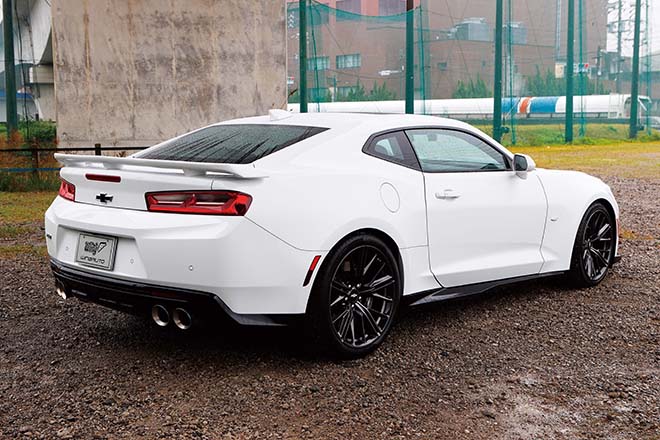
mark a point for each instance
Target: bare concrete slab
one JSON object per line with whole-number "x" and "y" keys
{"x": 131, "y": 72}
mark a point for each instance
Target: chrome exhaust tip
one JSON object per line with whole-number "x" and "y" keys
{"x": 61, "y": 291}
{"x": 160, "y": 315}
{"x": 182, "y": 319}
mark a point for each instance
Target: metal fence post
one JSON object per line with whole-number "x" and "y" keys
{"x": 497, "y": 83}
{"x": 97, "y": 149}
{"x": 568, "y": 72}
{"x": 634, "y": 87}
{"x": 410, "y": 58}
{"x": 302, "y": 54}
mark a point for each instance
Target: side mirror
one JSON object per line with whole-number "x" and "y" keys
{"x": 522, "y": 164}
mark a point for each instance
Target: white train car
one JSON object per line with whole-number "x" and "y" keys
{"x": 614, "y": 106}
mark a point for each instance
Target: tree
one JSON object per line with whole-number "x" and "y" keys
{"x": 548, "y": 85}
{"x": 377, "y": 93}
{"x": 357, "y": 93}
{"x": 381, "y": 93}
{"x": 472, "y": 89}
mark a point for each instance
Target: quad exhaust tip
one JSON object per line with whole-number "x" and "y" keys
{"x": 182, "y": 318}
{"x": 160, "y": 315}
{"x": 61, "y": 291}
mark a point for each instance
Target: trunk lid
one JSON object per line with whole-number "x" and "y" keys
{"x": 129, "y": 192}
{"x": 122, "y": 182}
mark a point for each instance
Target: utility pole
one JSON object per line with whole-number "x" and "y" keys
{"x": 634, "y": 88}
{"x": 497, "y": 83}
{"x": 426, "y": 38}
{"x": 302, "y": 54}
{"x": 619, "y": 36}
{"x": 558, "y": 30}
{"x": 599, "y": 71}
{"x": 570, "y": 40}
{"x": 410, "y": 57}
{"x": 10, "y": 69}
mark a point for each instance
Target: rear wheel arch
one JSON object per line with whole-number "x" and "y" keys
{"x": 354, "y": 298}
{"x": 377, "y": 233}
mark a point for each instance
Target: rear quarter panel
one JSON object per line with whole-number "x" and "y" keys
{"x": 314, "y": 198}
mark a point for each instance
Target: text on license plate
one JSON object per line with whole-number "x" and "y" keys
{"x": 96, "y": 251}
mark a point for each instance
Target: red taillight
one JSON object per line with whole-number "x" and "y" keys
{"x": 68, "y": 190}
{"x": 103, "y": 178}
{"x": 199, "y": 202}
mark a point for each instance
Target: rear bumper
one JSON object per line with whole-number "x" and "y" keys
{"x": 138, "y": 298}
{"x": 251, "y": 271}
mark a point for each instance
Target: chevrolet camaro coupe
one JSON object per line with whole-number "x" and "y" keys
{"x": 333, "y": 220}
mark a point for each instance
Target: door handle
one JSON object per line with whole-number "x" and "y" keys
{"x": 447, "y": 194}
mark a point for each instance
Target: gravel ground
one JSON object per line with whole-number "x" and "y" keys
{"x": 532, "y": 361}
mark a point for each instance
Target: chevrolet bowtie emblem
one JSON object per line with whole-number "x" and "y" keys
{"x": 104, "y": 198}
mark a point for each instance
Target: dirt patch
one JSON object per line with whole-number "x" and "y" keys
{"x": 531, "y": 361}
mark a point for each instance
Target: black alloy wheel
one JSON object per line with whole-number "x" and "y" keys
{"x": 356, "y": 296}
{"x": 594, "y": 247}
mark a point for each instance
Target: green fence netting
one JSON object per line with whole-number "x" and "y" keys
{"x": 354, "y": 57}
{"x": 357, "y": 54}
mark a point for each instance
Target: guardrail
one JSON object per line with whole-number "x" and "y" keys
{"x": 35, "y": 152}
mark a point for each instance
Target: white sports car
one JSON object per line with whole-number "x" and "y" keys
{"x": 339, "y": 219}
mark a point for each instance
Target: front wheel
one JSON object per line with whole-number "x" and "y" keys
{"x": 593, "y": 251}
{"x": 355, "y": 297}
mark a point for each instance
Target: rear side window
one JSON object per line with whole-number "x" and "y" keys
{"x": 238, "y": 144}
{"x": 393, "y": 147}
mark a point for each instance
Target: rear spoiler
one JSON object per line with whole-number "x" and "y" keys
{"x": 242, "y": 171}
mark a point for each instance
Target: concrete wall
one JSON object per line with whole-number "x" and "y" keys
{"x": 134, "y": 72}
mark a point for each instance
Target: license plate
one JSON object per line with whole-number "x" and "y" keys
{"x": 96, "y": 251}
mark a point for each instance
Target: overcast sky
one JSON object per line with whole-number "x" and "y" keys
{"x": 628, "y": 15}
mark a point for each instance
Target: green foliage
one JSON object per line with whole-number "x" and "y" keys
{"x": 381, "y": 93}
{"x": 313, "y": 96}
{"x": 596, "y": 134}
{"x": 21, "y": 182}
{"x": 548, "y": 85}
{"x": 39, "y": 133}
{"x": 357, "y": 94}
{"x": 320, "y": 95}
{"x": 472, "y": 89}
{"x": 377, "y": 93}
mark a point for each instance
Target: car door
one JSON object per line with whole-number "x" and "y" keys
{"x": 484, "y": 222}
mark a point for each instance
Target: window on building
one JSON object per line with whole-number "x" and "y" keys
{"x": 391, "y": 7}
{"x": 352, "y": 6}
{"x": 351, "y": 61}
{"x": 318, "y": 63}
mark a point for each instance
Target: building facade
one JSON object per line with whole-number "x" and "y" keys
{"x": 454, "y": 43}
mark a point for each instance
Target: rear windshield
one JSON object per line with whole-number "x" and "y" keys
{"x": 231, "y": 143}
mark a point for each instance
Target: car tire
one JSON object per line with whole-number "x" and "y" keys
{"x": 354, "y": 299}
{"x": 594, "y": 247}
